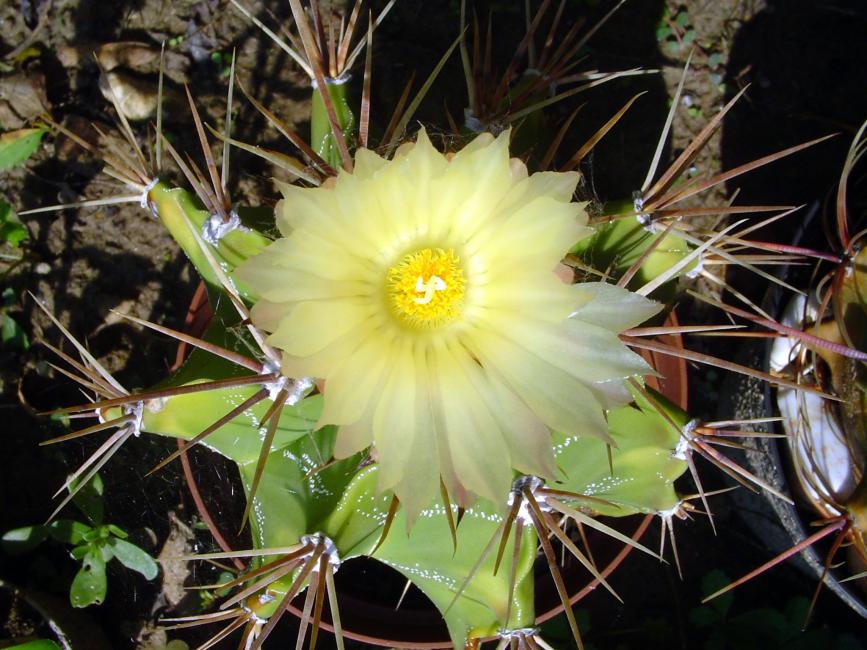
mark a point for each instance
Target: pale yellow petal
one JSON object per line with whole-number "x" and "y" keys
{"x": 559, "y": 186}
{"x": 585, "y": 351}
{"x": 268, "y": 315}
{"x": 528, "y": 439}
{"x": 560, "y": 400}
{"x": 542, "y": 294}
{"x": 480, "y": 458}
{"x": 352, "y": 385}
{"x": 465, "y": 190}
{"x": 419, "y": 486}
{"x": 611, "y": 394}
{"x": 352, "y": 438}
{"x": 612, "y": 307}
{"x": 537, "y": 235}
{"x": 311, "y": 326}
{"x": 285, "y": 285}
{"x": 367, "y": 163}
{"x": 394, "y": 420}
{"x": 301, "y": 205}
{"x": 307, "y": 252}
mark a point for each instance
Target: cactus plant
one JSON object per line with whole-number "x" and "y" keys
{"x": 436, "y": 365}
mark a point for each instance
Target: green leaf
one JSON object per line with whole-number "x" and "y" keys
{"x": 681, "y": 19}
{"x": 18, "y": 146}
{"x": 620, "y": 243}
{"x": 41, "y": 644}
{"x": 79, "y": 552}
{"x": 134, "y": 558}
{"x": 703, "y": 616}
{"x": 11, "y": 333}
{"x": 21, "y": 540}
{"x": 178, "y": 209}
{"x": 185, "y": 416}
{"x": 426, "y": 556}
{"x": 89, "y": 585}
{"x": 292, "y": 499}
{"x": 117, "y": 532}
{"x": 321, "y": 135}
{"x": 67, "y": 531}
{"x": 88, "y": 499}
{"x": 12, "y": 231}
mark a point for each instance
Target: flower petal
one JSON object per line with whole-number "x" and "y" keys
{"x": 612, "y": 307}
{"x": 475, "y": 442}
{"x": 528, "y": 439}
{"x": 585, "y": 351}
{"x": 560, "y": 400}
{"x": 313, "y": 325}
{"x": 351, "y": 386}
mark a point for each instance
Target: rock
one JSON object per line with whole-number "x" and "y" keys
{"x": 136, "y": 98}
{"x": 22, "y": 98}
{"x": 129, "y": 55}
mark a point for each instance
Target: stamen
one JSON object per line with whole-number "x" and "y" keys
{"x": 438, "y": 276}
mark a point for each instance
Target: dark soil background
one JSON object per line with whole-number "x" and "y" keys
{"x": 806, "y": 64}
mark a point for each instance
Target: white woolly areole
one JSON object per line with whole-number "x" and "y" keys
{"x": 675, "y": 511}
{"x": 144, "y": 199}
{"x": 296, "y": 389}
{"x": 533, "y": 483}
{"x": 686, "y": 434}
{"x": 329, "y": 549}
{"x": 333, "y": 81}
{"x": 136, "y": 410}
{"x": 214, "y": 228}
{"x": 300, "y": 388}
{"x": 517, "y": 633}
{"x": 264, "y": 598}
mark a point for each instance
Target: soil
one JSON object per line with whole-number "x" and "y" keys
{"x": 804, "y": 61}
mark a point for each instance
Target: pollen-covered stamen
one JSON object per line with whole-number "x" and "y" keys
{"x": 426, "y": 288}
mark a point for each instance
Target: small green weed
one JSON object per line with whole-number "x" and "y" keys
{"x": 94, "y": 545}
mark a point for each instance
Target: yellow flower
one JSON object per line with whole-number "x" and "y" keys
{"x": 423, "y": 290}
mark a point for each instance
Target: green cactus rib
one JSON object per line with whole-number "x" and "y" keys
{"x": 618, "y": 244}
{"x": 290, "y": 502}
{"x": 179, "y": 210}
{"x": 321, "y": 135}
{"x": 644, "y": 467}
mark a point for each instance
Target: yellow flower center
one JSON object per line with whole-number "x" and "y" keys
{"x": 426, "y": 288}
